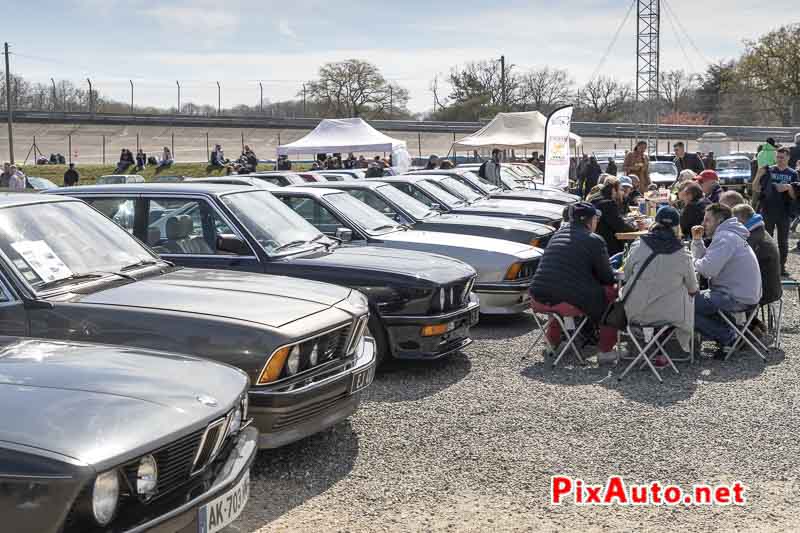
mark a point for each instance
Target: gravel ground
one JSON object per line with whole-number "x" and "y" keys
{"x": 470, "y": 443}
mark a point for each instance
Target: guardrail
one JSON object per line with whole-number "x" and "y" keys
{"x": 585, "y": 129}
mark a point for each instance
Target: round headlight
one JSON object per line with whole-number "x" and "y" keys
{"x": 313, "y": 357}
{"x": 441, "y": 299}
{"x": 293, "y": 362}
{"x": 147, "y": 476}
{"x": 105, "y": 494}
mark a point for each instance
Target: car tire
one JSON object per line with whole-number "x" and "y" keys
{"x": 376, "y": 331}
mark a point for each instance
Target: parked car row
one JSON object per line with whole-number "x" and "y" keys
{"x": 158, "y": 335}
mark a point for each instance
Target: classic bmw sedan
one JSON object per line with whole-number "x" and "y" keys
{"x": 505, "y": 268}
{"x": 70, "y": 273}
{"x": 108, "y": 438}
{"x": 434, "y": 192}
{"x": 485, "y": 189}
{"x": 421, "y": 304}
{"x": 405, "y": 209}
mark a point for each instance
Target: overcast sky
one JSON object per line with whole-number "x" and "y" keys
{"x": 240, "y": 42}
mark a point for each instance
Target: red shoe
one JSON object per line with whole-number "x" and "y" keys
{"x": 660, "y": 361}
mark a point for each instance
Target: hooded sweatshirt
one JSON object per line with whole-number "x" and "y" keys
{"x": 729, "y": 263}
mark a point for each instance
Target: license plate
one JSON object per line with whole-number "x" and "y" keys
{"x": 362, "y": 379}
{"x": 474, "y": 316}
{"x": 219, "y": 513}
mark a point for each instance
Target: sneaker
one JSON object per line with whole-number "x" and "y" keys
{"x": 660, "y": 362}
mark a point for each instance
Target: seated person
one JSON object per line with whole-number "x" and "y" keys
{"x": 576, "y": 254}
{"x": 664, "y": 290}
{"x": 731, "y": 199}
{"x": 630, "y": 193}
{"x": 709, "y": 181}
{"x": 767, "y": 254}
{"x": 694, "y": 206}
{"x": 166, "y": 159}
{"x": 141, "y": 159}
{"x": 608, "y": 202}
{"x": 218, "y": 157}
{"x": 731, "y": 267}
{"x": 249, "y": 160}
{"x": 125, "y": 161}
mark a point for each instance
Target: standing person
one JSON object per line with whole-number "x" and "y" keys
{"x": 5, "y": 176}
{"x": 575, "y": 269}
{"x": 709, "y": 162}
{"x": 709, "y": 181}
{"x": 351, "y": 161}
{"x": 591, "y": 174}
{"x": 731, "y": 267}
{"x": 612, "y": 167}
{"x": 776, "y": 197}
{"x": 17, "y": 180}
{"x": 637, "y": 163}
{"x": 580, "y": 174}
{"x": 767, "y": 155}
{"x": 794, "y": 152}
{"x": 490, "y": 170}
{"x": 71, "y": 176}
{"x": 476, "y": 157}
{"x": 608, "y": 202}
{"x": 754, "y": 163}
{"x": 685, "y": 160}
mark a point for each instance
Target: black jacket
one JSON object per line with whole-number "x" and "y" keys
{"x": 574, "y": 268}
{"x": 689, "y": 161}
{"x": 592, "y": 174}
{"x": 611, "y": 223}
{"x": 794, "y": 156}
{"x": 71, "y": 177}
{"x": 611, "y": 168}
{"x": 692, "y": 215}
{"x": 714, "y": 195}
{"x": 769, "y": 261}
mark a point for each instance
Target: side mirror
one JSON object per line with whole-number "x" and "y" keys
{"x": 436, "y": 207}
{"x": 344, "y": 234}
{"x": 232, "y": 245}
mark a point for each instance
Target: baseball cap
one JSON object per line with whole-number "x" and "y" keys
{"x": 625, "y": 181}
{"x": 584, "y": 210}
{"x": 707, "y": 175}
{"x": 668, "y": 216}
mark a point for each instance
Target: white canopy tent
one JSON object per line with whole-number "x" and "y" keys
{"x": 512, "y": 131}
{"x": 342, "y": 136}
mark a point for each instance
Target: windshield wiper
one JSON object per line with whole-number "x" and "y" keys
{"x": 142, "y": 263}
{"x": 290, "y": 245}
{"x": 385, "y": 226}
{"x": 82, "y": 277}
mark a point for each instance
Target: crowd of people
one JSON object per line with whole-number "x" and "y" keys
{"x": 707, "y": 251}
{"x": 12, "y": 178}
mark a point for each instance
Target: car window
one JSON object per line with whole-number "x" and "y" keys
{"x": 280, "y": 181}
{"x": 186, "y": 226}
{"x": 120, "y": 210}
{"x": 316, "y": 214}
{"x": 415, "y": 193}
{"x": 372, "y": 200}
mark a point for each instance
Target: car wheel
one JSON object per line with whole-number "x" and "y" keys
{"x": 376, "y": 331}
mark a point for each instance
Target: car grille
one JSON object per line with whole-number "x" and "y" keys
{"x": 179, "y": 461}
{"x": 307, "y": 412}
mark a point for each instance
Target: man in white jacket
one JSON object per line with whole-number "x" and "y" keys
{"x": 732, "y": 269}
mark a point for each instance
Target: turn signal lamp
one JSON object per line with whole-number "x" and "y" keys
{"x": 274, "y": 367}
{"x": 513, "y": 271}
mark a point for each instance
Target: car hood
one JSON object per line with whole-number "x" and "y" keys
{"x": 451, "y": 240}
{"x": 662, "y": 178}
{"x": 427, "y": 266}
{"x": 518, "y": 207}
{"x": 536, "y": 194}
{"x": 106, "y": 404}
{"x": 268, "y": 300}
{"x": 479, "y": 221}
{"x": 734, "y": 172}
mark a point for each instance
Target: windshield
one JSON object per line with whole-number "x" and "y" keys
{"x": 372, "y": 221}
{"x": 480, "y": 182}
{"x": 41, "y": 183}
{"x": 411, "y": 205}
{"x": 439, "y": 194}
{"x": 44, "y": 249}
{"x": 270, "y": 221}
{"x": 455, "y": 186}
{"x": 663, "y": 167}
{"x": 729, "y": 164}
{"x": 510, "y": 179}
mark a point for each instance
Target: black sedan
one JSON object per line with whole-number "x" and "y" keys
{"x": 105, "y": 438}
{"x": 405, "y": 209}
{"x": 433, "y": 191}
{"x": 420, "y": 302}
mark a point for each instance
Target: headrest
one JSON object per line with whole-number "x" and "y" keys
{"x": 179, "y": 227}
{"x": 153, "y": 235}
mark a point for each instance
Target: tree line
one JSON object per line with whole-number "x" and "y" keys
{"x": 761, "y": 88}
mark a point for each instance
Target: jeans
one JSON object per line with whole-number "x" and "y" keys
{"x": 608, "y": 336}
{"x": 782, "y": 223}
{"x": 706, "y": 319}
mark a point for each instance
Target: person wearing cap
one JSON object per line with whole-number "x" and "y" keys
{"x": 767, "y": 154}
{"x": 685, "y": 160}
{"x": 630, "y": 193}
{"x": 575, "y": 269}
{"x": 777, "y": 188}
{"x": 709, "y": 182}
{"x": 608, "y": 202}
{"x": 664, "y": 291}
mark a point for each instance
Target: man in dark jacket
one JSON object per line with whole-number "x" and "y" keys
{"x": 686, "y": 161}
{"x": 612, "y": 167}
{"x": 608, "y": 202}
{"x": 794, "y": 152}
{"x": 575, "y": 269}
{"x": 592, "y": 174}
{"x": 71, "y": 176}
{"x": 766, "y": 250}
{"x": 694, "y": 207}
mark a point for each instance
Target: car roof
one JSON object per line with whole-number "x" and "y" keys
{"x": 183, "y": 187}
{"x": 318, "y": 191}
{"x": 733, "y": 156}
{"x": 362, "y": 184}
{"x": 13, "y": 199}
{"x": 404, "y": 178}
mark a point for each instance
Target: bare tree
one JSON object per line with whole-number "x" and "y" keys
{"x": 434, "y": 88}
{"x": 604, "y": 99}
{"x": 676, "y": 88}
{"x": 353, "y": 88}
{"x": 545, "y": 89}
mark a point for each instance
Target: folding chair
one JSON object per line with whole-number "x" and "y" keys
{"x": 572, "y": 322}
{"x": 773, "y": 320}
{"x": 655, "y": 337}
{"x": 740, "y": 323}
